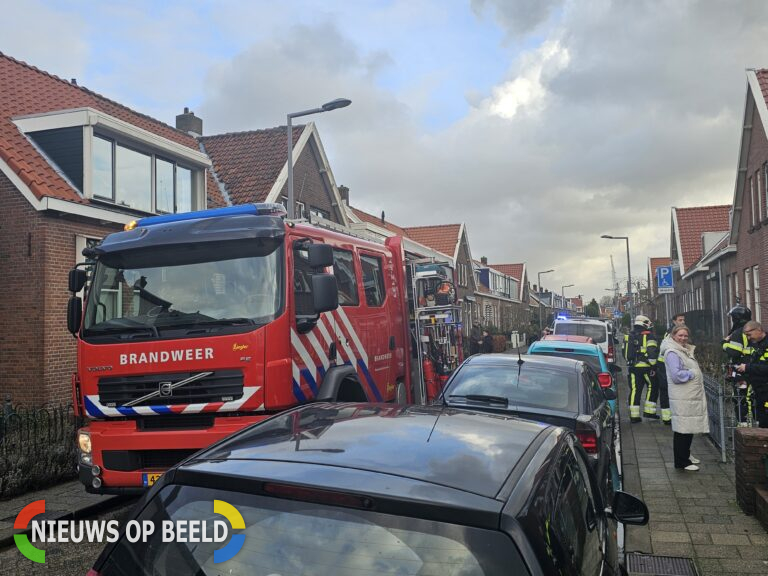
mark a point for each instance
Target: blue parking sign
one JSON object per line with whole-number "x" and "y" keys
{"x": 665, "y": 282}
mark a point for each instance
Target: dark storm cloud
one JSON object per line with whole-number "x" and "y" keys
{"x": 518, "y": 16}
{"x": 626, "y": 109}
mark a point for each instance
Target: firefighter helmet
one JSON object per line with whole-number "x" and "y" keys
{"x": 643, "y": 321}
{"x": 740, "y": 315}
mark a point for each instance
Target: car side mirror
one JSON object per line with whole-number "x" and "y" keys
{"x": 609, "y": 394}
{"x": 74, "y": 314}
{"x": 77, "y": 279}
{"x": 325, "y": 293}
{"x": 628, "y": 509}
{"x": 320, "y": 255}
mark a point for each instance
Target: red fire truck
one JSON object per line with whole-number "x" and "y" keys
{"x": 195, "y": 325}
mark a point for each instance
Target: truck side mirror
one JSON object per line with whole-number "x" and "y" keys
{"x": 74, "y": 312}
{"x": 325, "y": 293}
{"x": 320, "y": 255}
{"x": 77, "y": 278}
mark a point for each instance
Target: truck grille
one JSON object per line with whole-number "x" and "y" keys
{"x": 221, "y": 386}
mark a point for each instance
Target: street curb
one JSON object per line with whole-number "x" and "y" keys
{"x": 6, "y": 537}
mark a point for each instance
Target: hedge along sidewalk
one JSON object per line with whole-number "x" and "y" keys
{"x": 692, "y": 514}
{"x": 68, "y": 500}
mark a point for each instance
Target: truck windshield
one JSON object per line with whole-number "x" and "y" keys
{"x": 148, "y": 299}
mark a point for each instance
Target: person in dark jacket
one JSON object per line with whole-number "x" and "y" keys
{"x": 475, "y": 339}
{"x": 487, "y": 342}
{"x": 755, "y": 369}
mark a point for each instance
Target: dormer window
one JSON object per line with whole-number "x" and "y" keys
{"x": 109, "y": 160}
{"x": 139, "y": 179}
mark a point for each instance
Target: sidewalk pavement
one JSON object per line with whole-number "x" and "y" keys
{"x": 692, "y": 514}
{"x": 66, "y": 500}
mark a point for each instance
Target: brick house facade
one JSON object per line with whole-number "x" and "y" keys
{"x": 66, "y": 154}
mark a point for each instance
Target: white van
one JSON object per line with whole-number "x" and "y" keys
{"x": 595, "y": 329}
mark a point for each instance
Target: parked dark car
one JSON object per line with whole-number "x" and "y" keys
{"x": 559, "y": 391}
{"x": 349, "y": 489}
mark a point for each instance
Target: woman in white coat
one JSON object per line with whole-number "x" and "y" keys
{"x": 687, "y": 399}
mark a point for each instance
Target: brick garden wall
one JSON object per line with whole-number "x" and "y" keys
{"x": 751, "y": 446}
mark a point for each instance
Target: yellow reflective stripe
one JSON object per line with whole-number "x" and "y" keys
{"x": 733, "y": 346}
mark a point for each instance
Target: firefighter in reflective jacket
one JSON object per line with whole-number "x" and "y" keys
{"x": 642, "y": 353}
{"x": 755, "y": 368}
{"x": 737, "y": 347}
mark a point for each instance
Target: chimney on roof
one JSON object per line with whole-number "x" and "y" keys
{"x": 189, "y": 123}
{"x": 344, "y": 193}
{"x": 382, "y": 217}
{"x": 484, "y": 261}
{"x": 74, "y": 81}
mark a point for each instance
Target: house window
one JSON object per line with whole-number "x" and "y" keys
{"x": 124, "y": 175}
{"x": 319, "y": 213}
{"x": 752, "y": 198}
{"x": 765, "y": 185}
{"x": 748, "y": 287}
{"x": 759, "y": 197}
{"x": 133, "y": 178}
{"x": 736, "y": 292}
{"x": 756, "y": 288}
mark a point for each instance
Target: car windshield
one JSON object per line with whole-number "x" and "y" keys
{"x": 530, "y": 385}
{"x": 591, "y": 360}
{"x": 595, "y": 331}
{"x": 291, "y": 538}
{"x": 168, "y": 295}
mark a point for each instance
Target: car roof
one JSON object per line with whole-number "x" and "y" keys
{"x": 589, "y": 348}
{"x": 569, "y": 338}
{"x": 579, "y": 320}
{"x": 468, "y": 451}
{"x": 512, "y": 360}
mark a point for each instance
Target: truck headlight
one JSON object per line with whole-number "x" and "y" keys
{"x": 84, "y": 442}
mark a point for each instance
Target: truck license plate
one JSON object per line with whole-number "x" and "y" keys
{"x": 149, "y": 479}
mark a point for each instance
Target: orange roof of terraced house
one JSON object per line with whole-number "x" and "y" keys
{"x": 688, "y": 225}
{"x": 28, "y": 91}
{"x": 444, "y": 237}
{"x": 376, "y": 221}
{"x": 248, "y": 163}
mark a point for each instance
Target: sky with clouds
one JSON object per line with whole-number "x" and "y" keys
{"x": 542, "y": 124}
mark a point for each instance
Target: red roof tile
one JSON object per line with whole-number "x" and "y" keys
{"x": 248, "y": 163}
{"x": 26, "y": 90}
{"x": 514, "y": 270}
{"x": 442, "y": 238}
{"x": 692, "y": 223}
{"x": 376, "y": 221}
{"x": 762, "y": 79}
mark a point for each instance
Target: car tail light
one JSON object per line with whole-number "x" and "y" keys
{"x": 92, "y": 572}
{"x": 588, "y": 439}
{"x": 319, "y": 496}
{"x": 610, "y": 352}
{"x": 605, "y": 379}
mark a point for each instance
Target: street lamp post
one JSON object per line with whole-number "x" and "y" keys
{"x": 629, "y": 274}
{"x": 540, "y": 291}
{"x": 562, "y": 292}
{"x": 327, "y": 107}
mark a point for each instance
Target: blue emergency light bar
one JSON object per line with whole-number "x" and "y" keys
{"x": 262, "y": 209}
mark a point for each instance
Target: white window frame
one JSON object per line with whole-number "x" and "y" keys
{"x": 752, "y": 199}
{"x": 94, "y": 122}
{"x": 748, "y": 287}
{"x": 759, "y": 197}
{"x": 756, "y": 290}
